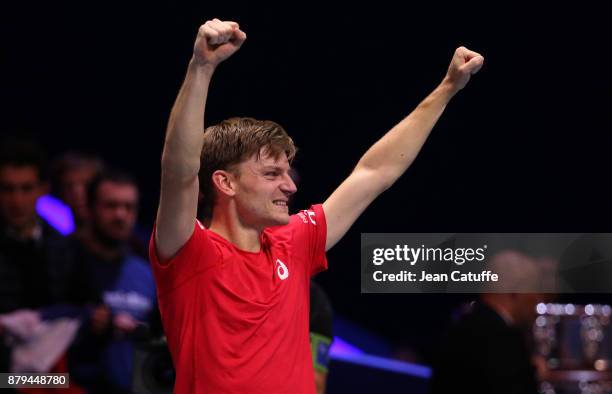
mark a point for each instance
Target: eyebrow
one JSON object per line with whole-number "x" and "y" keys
{"x": 273, "y": 167}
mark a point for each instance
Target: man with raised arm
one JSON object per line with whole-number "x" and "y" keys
{"x": 234, "y": 296}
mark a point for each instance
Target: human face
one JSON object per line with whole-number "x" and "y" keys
{"x": 263, "y": 188}
{"x": 20, "y": 187}
{"x": 74, "y": 190}
{"x": 115, "y": 210}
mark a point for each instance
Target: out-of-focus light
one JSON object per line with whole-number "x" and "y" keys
{"x": 386, "y": 364}
{"x": 570, "y": 309}
{"x": 344, "y": 351}
{"x": 589, "y": 309}
{"x": 541, "y": 308}
{"x": 340, "y": 346}
{"x": 56, "y": 213}
{"x": 601, "y": 365}
{"x": 541, "y": 321}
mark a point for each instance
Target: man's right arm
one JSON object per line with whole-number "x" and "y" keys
{"x": 180, "y": 163}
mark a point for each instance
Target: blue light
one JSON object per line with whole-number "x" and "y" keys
{"x": 420, "y": 371}
{"x": 56, "y": 213}
{"x": 341, "y": 347}
{"x": 344, "y": 351}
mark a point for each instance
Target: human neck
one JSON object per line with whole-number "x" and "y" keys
{"x": 31, "y": 230}
{"x": 227, "y": 224}
{"x": 99, "y": 248}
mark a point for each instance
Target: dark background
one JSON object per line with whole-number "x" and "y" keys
{"x": 524, "y": 148}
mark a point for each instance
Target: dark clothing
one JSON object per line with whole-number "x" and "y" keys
{"x": 35, "y": 273}
{"x": 102, "y": 363}
{"x": 483, "y": 354}
{"x": 320, "y": 311}
{"x": 38, "y": 274}
{"x": 321, "y": 322}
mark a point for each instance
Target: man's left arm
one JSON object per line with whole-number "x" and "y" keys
{"x": 390, "y": 156}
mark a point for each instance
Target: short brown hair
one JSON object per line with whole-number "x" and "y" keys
{"x": 23, "y": 153}
{"x": 71, "y": 161}
{"x": 233, "y": 141}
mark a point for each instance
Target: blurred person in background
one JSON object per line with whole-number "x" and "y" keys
{"x": 70, "y": 175}
{"x": 321, "y": 335}
{"x": 37, "y": 270}
{"x": 120, "y": 281}
{"x": 487, "y": 350}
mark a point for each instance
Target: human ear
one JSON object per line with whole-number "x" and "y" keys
{"x": 224, "y": 182}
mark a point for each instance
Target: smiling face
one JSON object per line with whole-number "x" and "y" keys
{"x": 262, "y": 190}
{"x": 234, "y": 143}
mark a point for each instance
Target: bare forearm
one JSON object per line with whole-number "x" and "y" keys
{"x": 390, "y": 156}
{"x": 184, "y": 136}
{"x": 216, "y": 41}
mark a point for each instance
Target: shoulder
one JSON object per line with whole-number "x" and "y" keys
{"x": 305, "y": 218}
{"x": 314, "y": 215}
{"x": 305, "y": 225}
{"x": 137, "y": 264}
{"x": 298, "y": 223}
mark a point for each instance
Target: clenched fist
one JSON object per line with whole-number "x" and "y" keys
{"x": 464, "y": 64}
{"x": 216, "y": 41}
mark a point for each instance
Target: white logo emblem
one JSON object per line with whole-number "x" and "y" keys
{"x": 281, "y": 270}
{"x": 310, "y": 214}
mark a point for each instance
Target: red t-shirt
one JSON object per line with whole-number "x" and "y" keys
{"x": 237, "y": 321}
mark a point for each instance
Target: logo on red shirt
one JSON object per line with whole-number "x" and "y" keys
{"x": 306, "y": 216}
{"x": 281, "y": 270}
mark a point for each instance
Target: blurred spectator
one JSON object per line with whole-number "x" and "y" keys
{"x": 487, "y": 349}
{"x": 36, "y": 262}
{"x": 101, "y": 360}
{"x": 321, "y": 316}
{"x": 70, "y": 175}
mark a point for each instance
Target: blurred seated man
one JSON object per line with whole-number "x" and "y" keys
{"x": 102, "y": 358}
{"x": 487, "y": 350}
{"x": 71, "y": 173}
{"x": 36, "y": 262}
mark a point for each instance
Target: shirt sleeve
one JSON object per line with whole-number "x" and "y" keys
{"x": 310, "y": 233}
{"x": 198, "y": 254}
